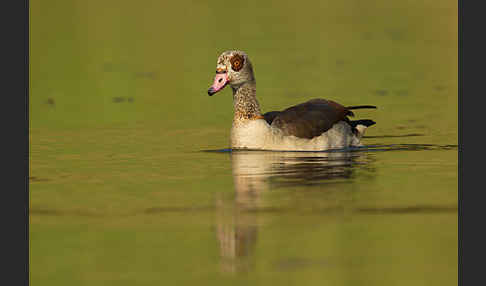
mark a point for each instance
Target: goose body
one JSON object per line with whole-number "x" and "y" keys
{"x": 315, "y": 125}
{"x": 258, "y": 134}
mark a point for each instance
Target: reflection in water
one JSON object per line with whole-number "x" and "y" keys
{"x": 257, "y": 171}
{"x": 254, "y": 172}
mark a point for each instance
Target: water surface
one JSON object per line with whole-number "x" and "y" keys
{"x": 132, "y": 181}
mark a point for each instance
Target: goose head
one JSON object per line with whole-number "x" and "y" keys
{"x": 233, "y": 68}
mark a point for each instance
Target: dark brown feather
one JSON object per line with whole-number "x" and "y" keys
{"x": 308, "y": 119}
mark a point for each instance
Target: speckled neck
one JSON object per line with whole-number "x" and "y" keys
{"x": 245, "y": 103}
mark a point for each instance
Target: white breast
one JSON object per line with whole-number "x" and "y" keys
{"x": 258, "y": 134}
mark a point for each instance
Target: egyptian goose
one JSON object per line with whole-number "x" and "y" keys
{"x": 315, "y": 125}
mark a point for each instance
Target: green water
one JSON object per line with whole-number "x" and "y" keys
{"x": 122, "y": 191}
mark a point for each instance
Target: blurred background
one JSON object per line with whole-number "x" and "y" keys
{"x": 121, "y": 192}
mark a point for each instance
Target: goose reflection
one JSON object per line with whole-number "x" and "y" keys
{"x": 255, "y": 172}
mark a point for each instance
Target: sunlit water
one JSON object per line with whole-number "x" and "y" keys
{"x": 132, "y": 181}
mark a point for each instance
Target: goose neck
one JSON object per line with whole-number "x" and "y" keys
{"x": 245, "y": 104}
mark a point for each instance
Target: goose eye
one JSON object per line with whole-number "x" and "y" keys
{"x": 236, "y": 62}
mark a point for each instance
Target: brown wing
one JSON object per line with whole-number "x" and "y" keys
{"x": 308, "y": 119}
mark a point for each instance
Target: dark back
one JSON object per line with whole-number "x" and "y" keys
{"x": 308, "y": 119}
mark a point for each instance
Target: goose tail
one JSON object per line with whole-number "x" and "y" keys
{"x": 359, "y": 126}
